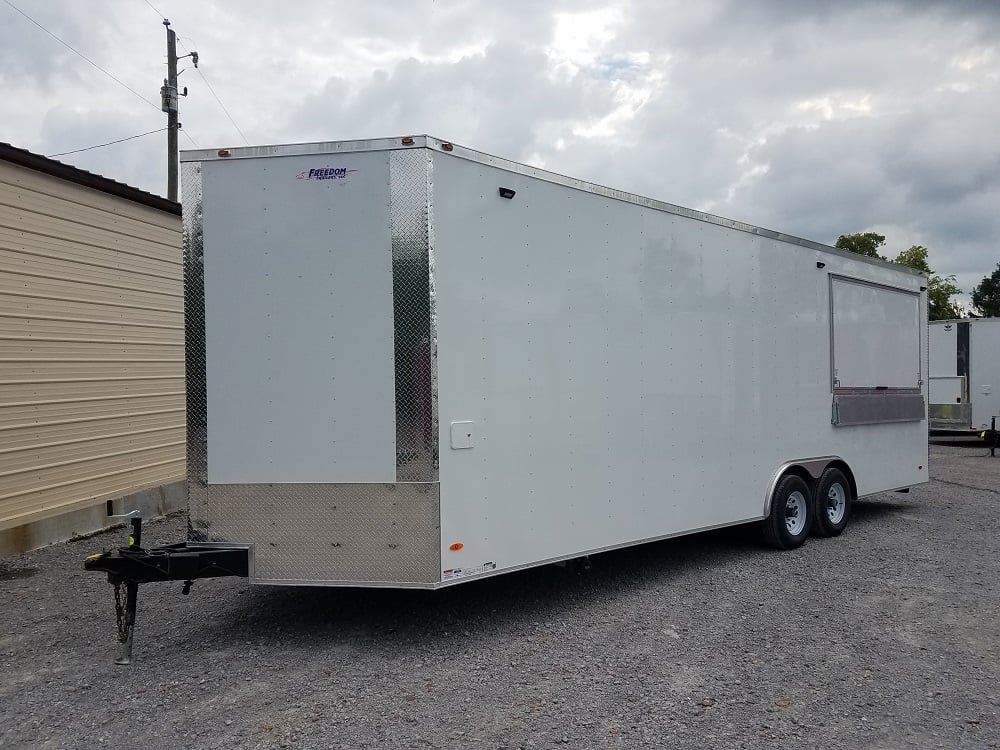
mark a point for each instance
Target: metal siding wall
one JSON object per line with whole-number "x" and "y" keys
{"x": 91, "y": 347}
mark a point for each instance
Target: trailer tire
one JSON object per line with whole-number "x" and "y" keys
{"x": 833, "y": 503}
{"x": 790, "y": 520}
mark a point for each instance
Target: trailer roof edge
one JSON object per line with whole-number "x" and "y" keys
{"x": 320, "y": 148}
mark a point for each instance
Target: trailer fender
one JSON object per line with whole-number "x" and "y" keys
{"x": 810, "y": 469}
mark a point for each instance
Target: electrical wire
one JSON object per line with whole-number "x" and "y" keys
{"x": 221, "y": 105}
{"x": 77, "y": 52}
{"x": 193, "y": 141}
{"x": 155, "y": 10}
{"x": 109, "y": 143}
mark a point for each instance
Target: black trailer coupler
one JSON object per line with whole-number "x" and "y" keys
{"x": 129, "y": 566}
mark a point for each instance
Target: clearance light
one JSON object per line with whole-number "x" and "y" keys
{"x": 223, "y": 152}
{"x": 456, "y": 546}
{"x": 447, "y": 147}
{"x": 407, "y": 141}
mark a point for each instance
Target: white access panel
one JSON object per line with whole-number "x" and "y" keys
{"x": 943, "y": 346}
{"x": 299, "y": 319}
{"x": 984, "y": 371}
{"x": 876, "y": 335}
{"x": 946, "y": 389}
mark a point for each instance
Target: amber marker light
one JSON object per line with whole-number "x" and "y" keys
{"x": 456, "y": 546}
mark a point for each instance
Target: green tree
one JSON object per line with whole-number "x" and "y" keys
{"x": 862, "y": 243}
{"x": 916, "y": 258}
{"x": 940, "y": 289}
{"x": 986, "y": 295}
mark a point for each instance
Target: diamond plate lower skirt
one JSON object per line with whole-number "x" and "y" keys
{"x": 334, "y": 534}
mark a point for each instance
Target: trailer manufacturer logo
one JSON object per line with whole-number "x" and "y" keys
{"x": 451, "y": 574}
{"x": 325, "y": 173}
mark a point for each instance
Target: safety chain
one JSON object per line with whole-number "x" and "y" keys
{"x": 121, "y": 618}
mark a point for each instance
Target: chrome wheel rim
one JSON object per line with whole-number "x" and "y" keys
{"x": 836, "y": 503}
{"x": 795, "y": 513}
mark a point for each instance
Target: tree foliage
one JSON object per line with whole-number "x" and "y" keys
{"x": 940, "y": 289}
{"x": 986, "y": 295}
{"x": 862, "y": 243}
{"x": 916, "y": 258}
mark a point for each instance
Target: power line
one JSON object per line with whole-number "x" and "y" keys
{"x": 193, "y": 141}
{"x": 223, "y": 106}
{"x": 155, "y": 10}
{"x": 109, "y": 143}
{"x": 245, "y": 140}
{"x": 76, "y": 51}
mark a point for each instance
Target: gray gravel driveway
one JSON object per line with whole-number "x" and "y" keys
{"x": 887, "y": 637}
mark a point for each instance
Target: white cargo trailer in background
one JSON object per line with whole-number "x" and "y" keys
{"x": 412, "y": 364}
{"x": 964, "y": 375}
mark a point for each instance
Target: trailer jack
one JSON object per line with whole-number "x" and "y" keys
{"x": 129, "y": 566}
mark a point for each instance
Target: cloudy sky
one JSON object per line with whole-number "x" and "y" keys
{"x": 813, "y": 117}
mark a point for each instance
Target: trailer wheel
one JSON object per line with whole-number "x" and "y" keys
{"x": 833, "y": 503}
{"x": 790, "y": 519}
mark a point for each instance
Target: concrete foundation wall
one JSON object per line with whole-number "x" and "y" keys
{"x": 151, "y": 503}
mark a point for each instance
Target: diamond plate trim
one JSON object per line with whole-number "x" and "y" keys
{"x": 194, "y": 348}
{"x": 334, "y": 533}
{"x": 413, "y": 316}
{"x": 877, "y": 408}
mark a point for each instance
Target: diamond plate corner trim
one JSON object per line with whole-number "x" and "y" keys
{"x": 348, "y": 534}
{"x": 415, "y": 349}
{"x": 432, "y": 316}
{"x": 194, "y": 351}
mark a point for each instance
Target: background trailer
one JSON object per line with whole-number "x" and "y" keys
{"x": 413, "y": 364}
{"x": 964, "y": 369}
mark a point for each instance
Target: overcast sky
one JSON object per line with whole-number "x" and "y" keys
{"x": 812, "y": 117}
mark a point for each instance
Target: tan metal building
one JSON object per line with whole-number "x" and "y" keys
{"x": 91, "y": 346}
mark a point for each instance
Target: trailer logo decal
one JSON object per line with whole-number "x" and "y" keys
{"x": 325, "y": 173}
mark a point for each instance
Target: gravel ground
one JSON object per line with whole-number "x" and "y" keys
{"x": 887, "y": 637}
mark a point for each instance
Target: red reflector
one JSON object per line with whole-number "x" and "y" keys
{"x": 407, "y": 141}
{"x": 223, "y": 152}
{"x": 456, "y": 546}
{"x": 447, "y": 147}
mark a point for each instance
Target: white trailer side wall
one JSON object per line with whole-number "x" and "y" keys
{"x": 628, "y": 373}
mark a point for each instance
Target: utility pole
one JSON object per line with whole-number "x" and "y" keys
{"x": 170, "y": 107}
{"x": 169, "y": 98}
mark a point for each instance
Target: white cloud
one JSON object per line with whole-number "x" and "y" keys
{"x": 814, "y": 118}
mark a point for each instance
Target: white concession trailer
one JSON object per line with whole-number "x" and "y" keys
{"x": 964, "y": 375}
{"x": 412, "y": 364}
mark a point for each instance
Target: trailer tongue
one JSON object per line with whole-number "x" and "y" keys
{"x": 129, "y": 566}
